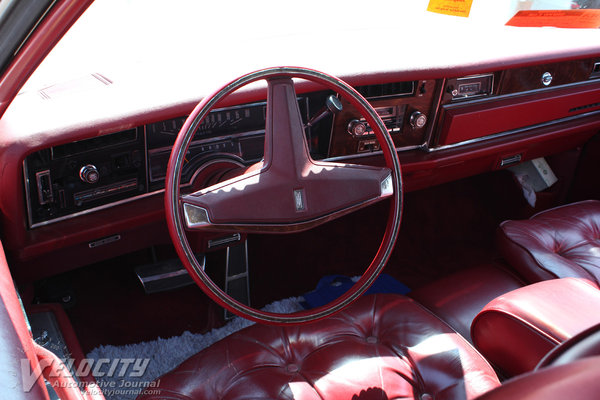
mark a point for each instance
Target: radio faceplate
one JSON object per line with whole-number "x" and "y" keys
{"x": 69, "y": 179}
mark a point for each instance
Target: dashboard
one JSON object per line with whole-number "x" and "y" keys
{"x": 100, "y": 194}
{"x": 76, "y": 178}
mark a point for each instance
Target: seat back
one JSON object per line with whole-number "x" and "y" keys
{"x": 557, "y": 243}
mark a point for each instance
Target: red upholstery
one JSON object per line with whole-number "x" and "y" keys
{"x": 382, "y": 345}
{"x": 557, "y": 243}
{"x": 579, "y": 380}
{"x": 18, "y": 354}
{"x": 584, "y": 344}
{"x": 516, "y": 330}
{"x": 459, "y": 297}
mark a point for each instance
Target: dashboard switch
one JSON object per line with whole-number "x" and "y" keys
{"x": 89, "y": 173}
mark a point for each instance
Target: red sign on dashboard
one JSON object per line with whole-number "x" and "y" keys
{"x": 557, "y": 18}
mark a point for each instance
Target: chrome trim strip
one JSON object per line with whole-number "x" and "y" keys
{"x": 27, "y": 193}
{"x": 439, "y": 94}
{"x": 369, "y": 154}
{"x": 146, "y": 160}
{"x": 475, "y": 76}
{"x": 98, "y": 208}
{"x": 513, "y": 131}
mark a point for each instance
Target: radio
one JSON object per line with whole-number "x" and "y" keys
{"x": 392, "y": 117}
{"x": 75, "y": 177}
{"x": 469, "y": 87}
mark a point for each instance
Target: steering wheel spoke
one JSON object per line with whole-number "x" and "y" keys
{"x": 326, "y": 191}
{"x": 302, "y": 193}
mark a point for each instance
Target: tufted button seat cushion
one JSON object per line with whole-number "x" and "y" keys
{"x": 557, "y": 243}
{"x": 381, "y": 347}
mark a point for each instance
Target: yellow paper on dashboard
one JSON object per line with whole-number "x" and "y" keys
{"x": 458, "y": 8}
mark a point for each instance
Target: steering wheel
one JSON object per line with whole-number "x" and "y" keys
{"x": 287, "y": 191}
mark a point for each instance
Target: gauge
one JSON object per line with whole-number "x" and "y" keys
{"x": 218, "y": 123}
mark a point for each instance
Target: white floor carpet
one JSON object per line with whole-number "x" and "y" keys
{"x": 164, "y": 354}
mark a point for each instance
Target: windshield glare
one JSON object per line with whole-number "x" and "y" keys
{"x": 157, "y": 34}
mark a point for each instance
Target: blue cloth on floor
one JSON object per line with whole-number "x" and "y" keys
{"x": 330, "y": 287}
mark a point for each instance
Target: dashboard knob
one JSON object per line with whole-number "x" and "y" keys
{"x": 546, "y": 79}
{"x": 357, "y": 128}
{"x": 418, "y": 120}
{"x": 89, "y": 173}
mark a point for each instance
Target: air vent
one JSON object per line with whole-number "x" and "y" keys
{"x": 396, "y": 89}
{"x": 96, "y": 143}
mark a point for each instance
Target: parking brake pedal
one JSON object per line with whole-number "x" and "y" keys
{"x": 236, "y": 278}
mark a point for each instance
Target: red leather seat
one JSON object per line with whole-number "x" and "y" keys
{"x": 383, "y": 346}
{"x": 516, "y": 330}
{"x": 459, "y": 297}
{"x": 557, "y": 243}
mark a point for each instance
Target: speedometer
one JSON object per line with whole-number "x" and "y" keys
{"x": 235, "y": 133}
{"x": 232, "y": 120}
{"x": 219, "y": 123}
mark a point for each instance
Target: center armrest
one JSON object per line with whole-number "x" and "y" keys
{"x": 514, "y": 331}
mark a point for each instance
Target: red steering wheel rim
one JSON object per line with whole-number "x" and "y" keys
{"x": 174, "y": 211}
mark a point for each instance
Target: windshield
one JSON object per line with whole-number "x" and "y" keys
{"x": 166, "y": 36}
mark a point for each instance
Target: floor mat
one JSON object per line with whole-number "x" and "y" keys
{"x": 331, "y": 287}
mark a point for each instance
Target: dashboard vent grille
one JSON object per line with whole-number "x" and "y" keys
{"x": 387, "y": 90}
{"x": 96, "y": 143}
